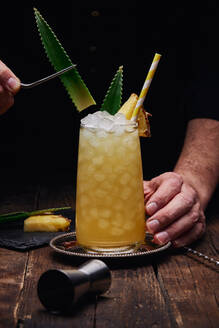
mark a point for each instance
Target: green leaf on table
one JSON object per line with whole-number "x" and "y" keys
{"x": 59, "y": 59}
{"x": 15, "y": 216}
{"x": 112, "y": 100}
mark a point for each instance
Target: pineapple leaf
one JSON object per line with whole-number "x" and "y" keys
{"x": 15, "y": 216}
{"x": 59, "y": 59}
{"x": 112, "y": 100}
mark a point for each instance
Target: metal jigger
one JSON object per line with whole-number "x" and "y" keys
{"x": 59, "y": 290}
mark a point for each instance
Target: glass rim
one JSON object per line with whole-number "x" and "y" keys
{"x": 132, "y": 124}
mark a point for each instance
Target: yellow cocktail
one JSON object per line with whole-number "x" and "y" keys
{"x": 110, "y": 211}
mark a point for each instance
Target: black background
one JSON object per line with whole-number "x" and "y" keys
{"x": 39, "y": 135}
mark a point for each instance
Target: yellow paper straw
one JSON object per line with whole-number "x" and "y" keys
{"x": 146, "y": 86}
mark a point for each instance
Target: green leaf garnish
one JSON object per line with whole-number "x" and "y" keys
{"x": 112, "y": 100}
{"x": 15, "y": 216}
{"x": 59, "y": 59}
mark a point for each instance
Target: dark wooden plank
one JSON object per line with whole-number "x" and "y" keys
{"x": 134, "y": 300}
{"x": 13, "y": 264}
{"x": 12, "y": 273}
{"x": 170, "y": 290}
{"x": 134, "y": 291}
{"x": 189, "y": 292}
{"x": 31, "y": 311}
{"x": 57, "y": 190}
{"x": 190, "y": 284}
{"x": 18, "y": 197}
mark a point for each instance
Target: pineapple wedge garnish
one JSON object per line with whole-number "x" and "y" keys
{"x": 143, "y": 123}
{"x": 129, "y": 106}
{"x": 48, "y": 222}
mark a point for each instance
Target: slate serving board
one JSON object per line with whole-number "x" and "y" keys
{"x": 12, "y": 235}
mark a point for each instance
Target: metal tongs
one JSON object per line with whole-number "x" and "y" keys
{"x": 204, "y": 256}
{"x": 45, "y": 79}
{"x": 150, "y": 237}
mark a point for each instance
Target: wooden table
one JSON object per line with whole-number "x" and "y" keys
{"x": 169, "y": 290}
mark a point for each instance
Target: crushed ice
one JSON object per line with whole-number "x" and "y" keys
{"x": 106, "y": 122}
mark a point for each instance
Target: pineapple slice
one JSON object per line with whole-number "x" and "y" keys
{"x": 48, "y": 222}
{"x": 143, "y": 123}
{"x": 129, "y": 106}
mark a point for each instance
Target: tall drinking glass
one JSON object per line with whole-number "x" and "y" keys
{"x": 110, "y": 214}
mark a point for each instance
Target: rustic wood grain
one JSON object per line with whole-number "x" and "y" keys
{"x": 31, "y": 311}
{"x": 190, "y": 284}
{"x": 189, "y": 289}
{"x": 13, "y": 264}
{"x": 134, "y": 300}
{"x": 172, "y": 289}
{"x": 12, "y": 273}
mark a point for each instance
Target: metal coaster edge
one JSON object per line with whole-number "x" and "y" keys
{"x": 79, "y": 251}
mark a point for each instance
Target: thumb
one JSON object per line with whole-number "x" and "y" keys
{"x": 8, "y": 80}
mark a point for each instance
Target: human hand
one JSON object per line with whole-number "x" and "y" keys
{"x": 174, "y": 209}
{"x": 9, "y": 86}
